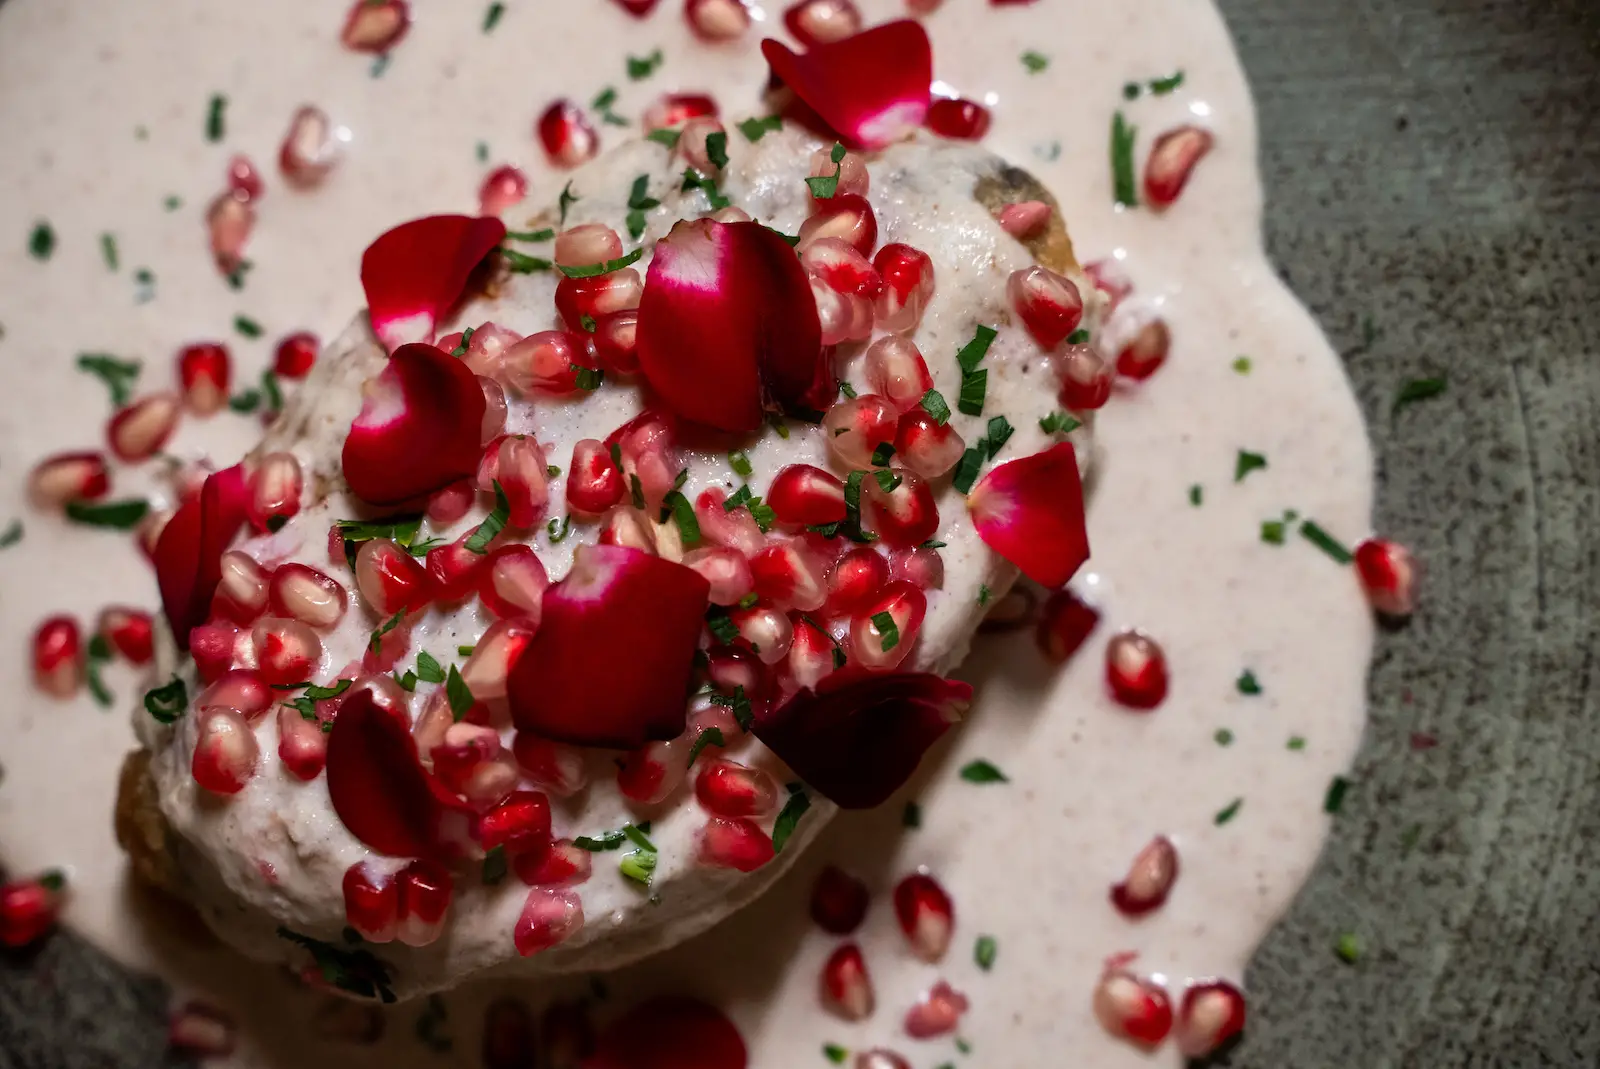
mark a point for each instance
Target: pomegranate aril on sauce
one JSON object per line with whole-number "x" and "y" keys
{"x": 594, "y": 483}
{"x": 513, "y": 584}
{"x": 734, "y": 844}
{"x": 229, "y": 223}
{"x": 1049, "y": 305}
{"x": 616, "y": 342}
{"x": 855, "y": 580}
{"x": 908, "y": 285}
{"x": 855, "y": 429}
{"x": 305, "y": 594}
{"x": 1172, "y": 160}
{"x": 520, "y": 823}
{"x": 838, "y": 901}
{"x": 1064, "y": 625}
{"x": 244, "y": 181}
{"x": 847, "y": 217}
{"x": 1086, "y": 378}
{"x": 937, "y": 1013}
{"x": 1211, "y": 1014}
{"x": 58, "y": 657}
{"x": 371, "y": 902}
{"x": 725, "y": 569}
{"x": 717, "y": 20}
{"x": 851, "y": 171}
{"x": 425, "y": 894}
{"x": 895, "y": 369}
{"x": 653, "y": 771}
{"x": 590, "y": 243}
{"x": 566, "y": 134}
{"x": 846, "y": 988}
{"x": 302, "y": 744}
{"x": 925, "y": 445}
{"x": 804, "y": 496}
{"x": 549, "y": 916}
{"x": 561, "y": 865}
{"x": 1135, "y": 1008}
{"x": 926, "y": 915}
{"x": 554, "y": 767}
{"x": 960, "y": 120}
{"x": 131, "y": 632}
{"x": 675, "y": 109}
{"x": 311, "y": 148}
{"x": 241, "y": 587}
{"x": 1388, "y": 575}
{"x": 29, "y": 909}
{"x": 905, "y": 514}
{"x": 375, "y": 25}
{"x": 225, "y": 752}
{"x": 1149, "y": 879}
{"x": 486, "y": 670}
{"x": 694, "y": 150}
{"x": 390, "y": 579}
{"x": 204, "y": 372}
{"x": 287, "y": 651}
{"x": 788, "y": 576}
{"x": 765, "y": 630}
{"x": 65, "y": 477}
{"x": 276, "y": 484}
{"x": 878, "y": 643}
{"x": 295, "y": 355}
{"x": 728, "y": 789}
{"x": 1146, "y": 351}
{"x": 1136, "y": 670}
{"x": 138, "y": 431}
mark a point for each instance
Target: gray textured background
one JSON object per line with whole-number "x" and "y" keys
{"x": 1433, "y": 188}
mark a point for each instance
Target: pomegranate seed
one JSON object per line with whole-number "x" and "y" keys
{"x": 131, "y": 632}
{"x": 521, "y": 823}
{"x": 1026, "y": 220}
{"x": 926, "y": 915}
{"x": 638, "y": 8}
{"x": 1085, "y": 378}
{"x": 371, "y": 902}
{"x": 846, "y": 217}
{"x": 765, "y": 630}
{"x": 295, "y": 355}
{"x": 851, "y": 171}
{"x": 1146, "y": 352}
{"x": 216, "y": 647}
{"x": 311, "y": 148}
{"x": 816, "y": 22}
{"x": 855, "y": 429}
{"x": 566, "y": 134}
{"x": 244, "y": 181}
{"x": 29, "y": 908}
{"x": 445, "y": 507}
{"x": 1049, "y": 305}
{"x": 375, "y": 25}
{"x": 922, "y": 567}
{"x": 844, "y": 270}
{"x": 1211, "y": 1014}
{"x": 906, "y": 606}
{"x": 472, "y": 762}
{"x": 562, "y": 865}
{"x": 64, "y": 477}
{"x": 302, "y": 744}
{"x": 734, "y": 844}
{"x": 494, "y": 409}
{"x": 287, "y": 650}
{"x": 204, "y": 371}
{"x": 1149, "y": 880}
{"x": 547, "y": 361}
{"x": 594, "y": 482}
{"x": 554, "y": 767}
{"x": 517, "y": 463}
{"x": 838, "y": 901}
{"x": 485, "y": 350}
{"x": 907, "y": 286}
{"x": 276, "y": 484}
{"x": 811, "y": 656}
{"x": 925, "y": 445}
{"x": 846, "y": 988}
{"x": 456, "y": 570}
{"x": 305, "y": 594}
{"x": 895, "y": 369}
{"x": 513, "y": 584}
{"x": 138, "y": 431}
{"x": 674, "y": 109}
{"x": 503, "y": 188}
{"x": 616, "y": 342}
{"x": 937, "y": 1013}
{"x": 803, "y": 496}
{"x": 202, "y": 1030}
{"x": 58, "y": 660}
{"x": 1064, "y": 625}
{"x": 856, "y": 579}
{"x": 904, "y": 515}
{"x": 549, "y": 917}
{"x": 425, "y": 894}
{"x": 645, "y": 444}
{"x": 654, "y": 770}
{"x": 591, "y": 243}
{"x": 1172, "y": 160}
{"x": 841, "y": 318}
{"x": 736, "y": 529}
{"x": 225, "y": 752}
{"x": 729, "y": 668}
{"x": 242, "y": 587}
{"x": 728, "y": 789}
{"x": 717, "y": 20}
{"x": 789, "y": 576}
{"x": 229, "y": 223}
{"x": 486, "y": 670}
{"x": 627, "y": 526}
{"x": 1110, "y": 279}
{"x": 1136, "y": 670}
{"x": 1133, "y": 1007}
{"x": 1389, "y": 575}
{"x": 727, "y": 570}
{"x": 961, "y": 120}
{"x": 692, "y": 142}
{"x": 390, "y": 579}
{"x": 878, "y": 1058}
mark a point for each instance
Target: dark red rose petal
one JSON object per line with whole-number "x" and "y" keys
{"x": 415, "y": 273}
{"x": 189, "y": 553}
{"x": 870, "y": 89}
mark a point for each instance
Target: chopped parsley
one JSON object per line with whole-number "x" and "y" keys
{"x": 911, "y": 816}
{"x": 429, "y": 670}
{"x": 826, "y": 187}
{"x": 984, "y": 594}
{"x": 683, "y": 515}
{"x": 835, "y": 1053}
{"x": 722, "y": 628}
{"x": 1227, "y": 812}
{"x": 640, "y": 69}
{"x": 967, "y": 468}
{"x": 1297, "y": 742}
{"x": 886, "y": 626}
{"x": 1078, "y": 337}
{"x": 568, "y": 199}
{"x": 167, "y": 702}
{"x": 1035, "y": 62}
{"x": 1223, "y": 737}
{"x": 520, "y": 263}
{"x": 491, "y": 17}
{"x": 602, "y": 104}
{"x": 789, "y": 817}
{"x": 117, "y": 515}
{"x": 693, "y": 179}
{"x": 586, "y": 378}
{"x": 934, "y": 404}
{"x": 664, "y": 136}
{"x": 118, "y": 375}
{"x": 717, "y": 149}
{"x": 984, "y": 952}
{"x": 42, "y": 241}
{"x": 1274, "y": 532}
{"x": 1312, "y": 532}
{"x": 882, "y": 454}
{"x": 738, "y": 705}
{"x": 974, "y": 382}
{"x": 1247, "y": 683}
{"x": 1000, "y": 432}
{"x": 1197, "y": 495}
{"x": 708, "y": 737}
{"x": 458, "y": 694}
{"x": 355, "y": 971}
{"x": 1241, "y": 364}
{"x": 1059, "y": 423}
{"x": 1246, "y": 463}
{"x": 639, "y": 202}
{"x": 1123, "y": 186}
{"x": 756, "y": 129}
{"x": 1333, "y": 801}
{"x": 606, "y": 268}
{"x": 1419, "y": 390}
{"x": 1348, "y": 948}
{"x": 383, "y": 629}
{"x": 534, "y": 236}
{"x": 981, "y": 771}
{"x": 11, "y": 535}
{"x": 108, "y": 251}
{"x": 172, "y": 203}
{"x": 492, "y": 524}
{"x": 247, "y": 326}
{"x": 216, "y": 117}
{"x": 1162, "y": 86}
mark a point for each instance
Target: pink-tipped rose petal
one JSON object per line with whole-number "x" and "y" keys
{"x": 415, "y": 273}
{"x": 418, "y": 430}
{"x": 378, "y": 786}
{"x": 1030, "y": 511}
{"x": 855, "y": 739}
{"x": 188, "y": 556}
{"x": 670, "y": 1032}
{"x": 870, "y": 89}
{"x": 727, "y": 325}
{"x": 611, "y": 663}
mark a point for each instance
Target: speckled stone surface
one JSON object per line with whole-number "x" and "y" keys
{"x": 1433, "y": 194}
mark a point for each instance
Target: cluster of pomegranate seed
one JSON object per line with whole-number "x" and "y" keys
{"x": 1137, "y": 1008}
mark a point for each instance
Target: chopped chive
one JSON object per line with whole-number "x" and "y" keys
{"x": 167, "y": 702}
{"x": 215, "y": 117}
{"x": 595, "y": 270}
{"x": 558, "y": 534}
{"x": 1162, "y": 86}
{"x": 492, "y": 524}
{"x": 534, "y": 236}
{"x": 835, "y": 1053}
{"x": 11, "y": 535}
{"x": 723, "y": 629}
{"x": 789, "y": 817}
{"x": 1419, "y": 390}
{"x": 984, "y": 952}
{"x": 481, "y": 151}
{"x": 116, "y": 515}
{"x": 1247, "y": 683}
{"x": 1272, "y": 531}
{"x": 886, "y": 626}
{"x": 639, "y": 866}
{"x": 740, "y": 462}
{"x": 384, "y": 628}
{"x": 1227, "y": 812}
{"x": 683, "y": 515}
{"x": 1297, "y": 742}
{"x": 984, "y": 594}
{"x": 1196, "y": 495}
{"x": 1122, "y": 168}
{"x": 664, "y": 136}
{"x": 848, "y": 390}
{"x": 42, "y": 241}
{"x": 247, "y": 326}
{"x": 108, "y": 251}
{"x": 491, "y": 19}
{"x": 118, "y": 375}
{"x": 1312, "y": 532}
{"x": 568, "y": 199}
{"x": 1246, "y": 463}
{"x": 520, "y": 263}
{"x": 1333, "y": 801}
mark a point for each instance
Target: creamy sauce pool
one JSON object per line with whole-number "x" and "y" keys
{"x": 103, "y": 116}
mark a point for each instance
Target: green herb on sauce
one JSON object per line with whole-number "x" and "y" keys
{"x": 1333, "y": 801}
{"x": 1247, "y": 683}
{"x": 789, "y": 817}
{"x": 1348, "y": 948}
{"x": 985, "y": 951}
{"x": 934, "y": 404}
{"x": 458, "y": 694}
{"x": 568, "y": 199}
{"x": 1241, "y": 364}
{"x": 1297, "y": 742}
{"x": 664, "y": 136}
{"x": 108, "y": 251}
{"x": 1312, "y": 532}
{"x": 911, "y": 816}
{"x": 1035, "y": 62}
{"x": 116, "y": 515}
{"x": 41, "y": 241}
{"x": 975, "y": 381}
{"x": 11, "y": 535}
{"x": 491, "y": 17}
{"x": 247, "y": 326}
{"x": 981, "y": 771}
{"x": 1419, "y": 390}
{"x": 708, "y": 737}
{"x": 118, "y": 375}
{"x": 216, "y": 114}
{"x": 167, "y": 702}
{"x": 1223, "y": 737}
{"x": 756, "y": 129}
{"x": 1162, "y": 86}
{"x": 824, "y": 187}
{"x": 1059, "y": 423}
{"x": 603, "y": 103}
{"x": 1197, "y": 495}
{"x": 835, "y": 1053}
{"x": 642, "y": 68}
{"x": 1123, "y": 185}
{"x": 1246, "y": 463}
{"x": 1228, "y": 812}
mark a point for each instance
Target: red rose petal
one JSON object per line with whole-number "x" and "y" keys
{"x": 612, "y": 661}
{"x": 419, "y": 427}
{"x": 188, "y": 555}
{"x": 1030, "y": 511}
{"x": 857, "y": 738}
{"x": 670, "y": 1032}
{"x": 870, "y": 89}
{"x": 728, "y": 326}
{"x": 416, "y": 272}
{"x": 378, "y": 786}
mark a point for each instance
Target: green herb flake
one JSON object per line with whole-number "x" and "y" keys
{"x": 108, "y": 251}
{"x": 1246, "y": 463}
{"x": 722, "y": 628}
{"x": 602, "y": 104}
{"x": 1348, "y": 948}
{"x": 984, "y": 594}
{"x": 144, "y": 286}
{"x": 1078, "y": 337}
{"x": 1273, "y": 531}
{"x": 172, "y": 203}
{"x": 491, "y": 17}
{"x": 708, "y": 737}
{"x": 693, "y": 179}
{"x": 1241, "y": 365}
{"x": 355, "y": 971}
{"x": 984, "y": 952}
{"x": 755, "y": 129}
{"x": 408, "y": 682}
{"x": 116, "y": 515}
{"x": 825, "y": 187}
{"x": 974, "y": 382}
{"x": 848, "y": 390}
{"x": 1247, "y": 683}
{"x": 429, "y": 670}
{"x": 717, "y": 149}
{"x": 599, "y": 844}
{"x": 606, "y": 268}
{"x": 568, "y": 199}
{"x": 531, "y": 236}
{"x": 934, "y": 404}
{"x": 683, "y": 515}
{"x": 118, "y": 375}
{"x": 383, "y": 629}
{"x": 974, "y": 389}
{"x": 963, "y": 1046}
{"x": 641, "y": 68}
{"x": 247, "y": 326}
{"x": 1312, "y": 532}
{"x": 492, "y": 524}
{"x": 520, "y": 263}
{"x": 741, "y": 463}
{"x": 638, "y": 866}
{"x": 1297, "y": 742}
{"x": 1223, "y": 737}
{"x": 558, "y": 534}
{"x": 667, "y": 137}
{"x": 911, "y": 816}
{"x": 465, "y": 343}
{"x": 1000, "y": 432}
{"x": 1059, "y": 423}
{"x": 967, "y": 468}
{"x": 1227, "y": 812}
{"x": 586, "y": 378}
{"x": 1122, "y": 168}
{"x": 167, "y": 702}
{"x": 981, "y": 771}
{"x": 835, "y": 1053}
{"x": 1419, "y": 390}
{"x": 494, "y": 866}
{"x": 11, "y": 535}
{"x": 458, "y": 694}
{"x": 1035, "y": 62}
{"x": 886, "y": 626}
{"x": 1162, "y": 86}
{"x": 42, "y": 241}
{"x": 216, "y": 114}
{"x": 737, "y": 704}
{"x": 789, "y": 817}
{"x": 1333, "y": 800}
{"x": 1131, "y": 90}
